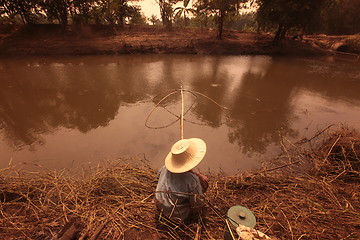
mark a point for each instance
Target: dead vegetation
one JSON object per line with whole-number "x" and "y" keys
{"x": 310, "y": 192}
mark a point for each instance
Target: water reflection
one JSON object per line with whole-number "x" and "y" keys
{"x": 41, "y": 96}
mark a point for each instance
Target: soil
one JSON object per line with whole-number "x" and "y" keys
{"x": 93, "y": 39}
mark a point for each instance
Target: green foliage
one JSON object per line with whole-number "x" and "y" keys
{"x": 137, "y": 18}
{"x": 56, "y": 10}
{"x": 343, "y": 17}
{"x": 26, "y": 10}
{"x": 291, "y": 13}
{"x": 308, "y": 16}
{"x": 167, "y": 11}
{"x": 282, "y": 16}
{"x": 116, "y": 11}
{"x": 82, "y": 11}
{"x": 4, "y": 18}
{"x": 74, "y": 11}
{"x": 243, "y": 22}
{"x": 303, "y": 15}
{"x": 220, "y": 9}
{"x": 203, "y": 21}
{"x": 183, "y": 10}
{"x": 154, "y": 20}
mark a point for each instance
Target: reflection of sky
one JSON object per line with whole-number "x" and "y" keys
{"x": 315, "y": 112}
{"x": 154, "y": 73}
{"x": 59, "y": 71}
{"x": 237, "y": 67}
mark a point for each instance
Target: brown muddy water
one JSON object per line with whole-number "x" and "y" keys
{"x": 67, "y": 112}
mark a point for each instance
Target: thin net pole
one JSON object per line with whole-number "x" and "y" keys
{"x": 182, "y": 114}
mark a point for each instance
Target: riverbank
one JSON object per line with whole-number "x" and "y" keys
{"x": 311, "y": 191}
{"x": 92, "y": 40}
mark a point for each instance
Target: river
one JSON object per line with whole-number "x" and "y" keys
{"x": 66, "y": 112}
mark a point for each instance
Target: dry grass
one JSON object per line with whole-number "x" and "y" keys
{"x": 354, "y": 43}
{"x": 316, "y": 198}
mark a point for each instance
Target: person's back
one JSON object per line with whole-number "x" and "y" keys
{"x": 176, "y": 193}
{"x": 179, "y": 188}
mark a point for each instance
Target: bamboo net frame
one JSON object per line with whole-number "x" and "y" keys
{"x": 181, "y": 117}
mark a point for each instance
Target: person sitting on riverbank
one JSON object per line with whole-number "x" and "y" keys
{"x": 178, "y": 189}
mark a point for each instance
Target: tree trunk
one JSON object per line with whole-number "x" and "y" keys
{"x": 165, "y": 14}
{"x": 283, "y": 33}
{"x": 23, "y": 19}
{"x": 168, "y": 23}
{"x": 24, "y": 14}
{"x": 184, "y": 19}
{"x": 278, "y": 34}
{"x": 64, "y": 19}
{"x": 221, "y": 24}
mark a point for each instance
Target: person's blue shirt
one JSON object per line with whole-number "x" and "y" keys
{"x": 177, "y": 193}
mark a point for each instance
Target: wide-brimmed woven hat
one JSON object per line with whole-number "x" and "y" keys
{"x": 185, "y": 154}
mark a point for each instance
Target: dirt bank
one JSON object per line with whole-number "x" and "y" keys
{"x": 309, "y": 193}
{"x": 90, "y": 40}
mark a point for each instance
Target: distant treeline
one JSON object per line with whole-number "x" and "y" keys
{"x": 280, "y": 16}
{"x": 335, "y": 17}
{"x": 69, "y": 11}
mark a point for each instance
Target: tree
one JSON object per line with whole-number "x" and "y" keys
{"x": 183, "y": 10}
{"x": 202, "y": 19}
{"x": 137, "y": 18}
{"x": 57, "y": 9}
{"x": 166, "y": 11}
{"x": 25, "y": 9}
{"x": 220, "y": 8}
{"x": 116, "y": 11}
{"x": 154, "y": 20}
{"x": 82, "y": 11}
{"x": 242, "y": 22}
{"x": 287, "y": 14}
{"x": 343, "y": 17}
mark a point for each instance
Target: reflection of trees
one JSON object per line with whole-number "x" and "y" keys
{"x": 208, "y": 84}
{"x": 85, "y": 93}
{"x": 176, "y": 72}
{"x": 36, "y": 100}
{"x": 261, "y": 111}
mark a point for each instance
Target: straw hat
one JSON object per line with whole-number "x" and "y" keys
{"x": 185, "y": 154}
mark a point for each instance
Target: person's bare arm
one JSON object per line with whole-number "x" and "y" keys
{"x": 204, "y": 180}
